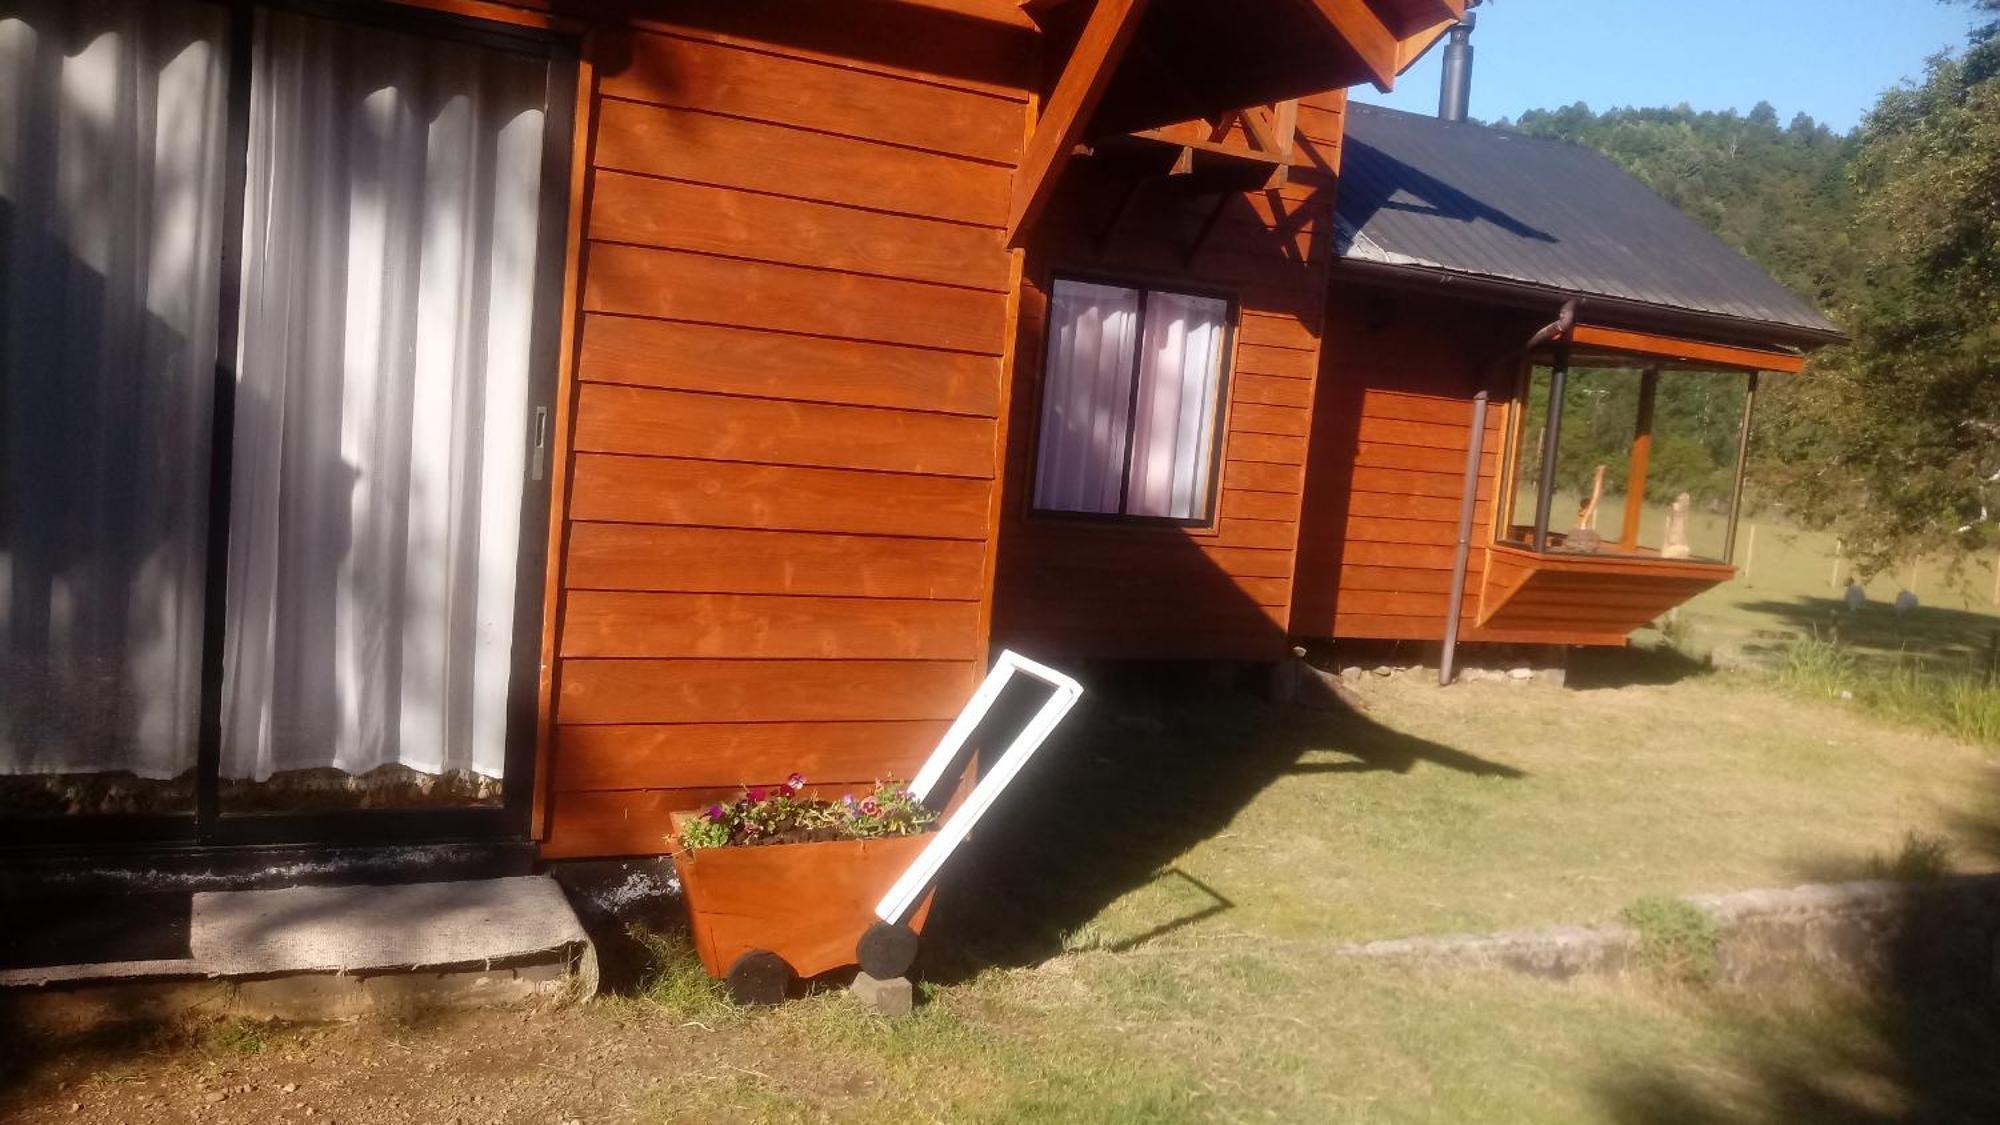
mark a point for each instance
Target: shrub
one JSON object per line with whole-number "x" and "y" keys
{"x": 1676, "y": 939}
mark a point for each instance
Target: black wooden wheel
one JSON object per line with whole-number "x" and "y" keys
{"x": 887, "y": 950}
{"x": 759, "y": 977}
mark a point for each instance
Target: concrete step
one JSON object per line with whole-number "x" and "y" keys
{"x": 319, "y": 952}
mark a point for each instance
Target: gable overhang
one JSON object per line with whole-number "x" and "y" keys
{"x": 1130, "y": 66}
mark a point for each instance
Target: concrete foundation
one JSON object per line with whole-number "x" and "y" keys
{"x": 311, "y": 953}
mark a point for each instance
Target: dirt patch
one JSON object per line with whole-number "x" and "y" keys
{"x": 585, "y": 1064}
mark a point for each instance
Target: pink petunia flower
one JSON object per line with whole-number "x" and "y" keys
{"x": 716, "y": 814}
{"x": 757, "y": 796}
{"x": 870, "y": 807}
{"x": 796, "y": 782}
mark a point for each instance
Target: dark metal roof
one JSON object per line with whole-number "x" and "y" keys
{"x": 1431, "y": 196}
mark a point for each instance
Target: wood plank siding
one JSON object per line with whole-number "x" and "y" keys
{"x": 794, "y": 307}
{"x": 1068, "y": 588}
{"x": 1388, "y": 446}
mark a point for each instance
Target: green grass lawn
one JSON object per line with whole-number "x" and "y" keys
{"x": 1151, "y": 930}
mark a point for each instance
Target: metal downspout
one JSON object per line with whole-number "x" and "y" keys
{"x": 1475, "y": 449}
{"x": 1742, "y": 465}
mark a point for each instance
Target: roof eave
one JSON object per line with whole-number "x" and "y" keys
{"x": 1503, "y": 291}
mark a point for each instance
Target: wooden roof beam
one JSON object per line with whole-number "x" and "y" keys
{"x": 1005, "y": 12}
{"x": 1067, "y": 113}
{"x": 1695, "y": 353}
{"x": 1366, "y": 35}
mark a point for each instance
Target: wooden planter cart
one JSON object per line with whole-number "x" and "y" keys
{"x": 764, "y": 915}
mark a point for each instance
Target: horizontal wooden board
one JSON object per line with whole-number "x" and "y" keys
{"x": 611, "y": 556}
{"x": 1271, "y": 390}
{"x": 1271, "y": 449}
{"x": 1438, "y": 411}
{"x": 1397, "y": 553}
{"x": 1259, "y": 533}
{"x": 663, "y": 423}
{"x": 1411, "y": 507}
{"x": 768, "y": 497}
{"x": 1125, "y": 550}
{"x": 689, "y": 73}
{"x": 1406, "y": 482}
{"x": 732, "y": 152}
{"x": 1451, "y": 459}
{"x": 1425, "y": 435}
{"x": 743, "y": 691}
{"x": 1260, "y": 505}
{"x": 1262, "y": 476}
{"x": 672, "y": 214}
{"x": 1268, "y": 330}
{"x": 710, "y": 755}
{"x": 1138, "y": 580}
{"x": 1399, "y": 578}
{"x": 701, "y": 357}
{"x": 1053, "y": 612}
{"x": 672, "y": 285}
{"x": 1278, "y": 362}
{"x": 1255, "y": 418}
{"x": 1403, "y": 603}
{"x": 600, "y": 623}
{"x": 1371, "y": 529}
{"x": 896, "y": 39}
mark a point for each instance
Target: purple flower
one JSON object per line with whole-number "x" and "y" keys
{"x": 796, "y": 782}
{"x": 716, "y": 814}
{"x": 847, "y": 799}
{"x": 757, "y": 796}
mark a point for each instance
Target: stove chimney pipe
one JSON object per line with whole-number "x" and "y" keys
{"x": 1455, "y": 92}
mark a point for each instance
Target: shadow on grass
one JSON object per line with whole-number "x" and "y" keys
{"x": 1657, "y": 665}
{"x": 1955, "y": 637}
{"x": 1910, "y": 1030}
{"x": 1153, "y": 762}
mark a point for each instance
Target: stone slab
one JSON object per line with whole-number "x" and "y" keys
{"x": 358, "y": 930}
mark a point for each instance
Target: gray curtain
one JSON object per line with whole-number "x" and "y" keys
{"x": 111, "y": 190}
{"x": 390, "y": 229}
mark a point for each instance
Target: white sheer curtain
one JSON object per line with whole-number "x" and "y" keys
{"x": 1086, "y": 397}
{"x": 1173, "y": 432}
{"x": 112, "y": 123}
{"x": 381, "y": 413}
{"x": 1102, "y": 438}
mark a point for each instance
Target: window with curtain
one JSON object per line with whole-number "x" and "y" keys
{"x": 391, "y": 241}
{"x": 1131, "y": 402}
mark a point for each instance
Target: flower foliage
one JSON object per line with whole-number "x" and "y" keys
{"x": 787, "y": 814}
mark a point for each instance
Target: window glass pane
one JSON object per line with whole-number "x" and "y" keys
{"x": 1086, "y": 397}
{"x": 112, "y": 128}
{"x": 390, "y": 237}
{"x": 1693, "y": 452}
{"x": 1173, "y": 435}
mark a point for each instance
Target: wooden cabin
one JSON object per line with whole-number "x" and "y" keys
{"x": 1460, "y": 248}
{"x": 508, "y": 422}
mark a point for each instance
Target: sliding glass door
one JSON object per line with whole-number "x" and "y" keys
{"x": 278, "y": 331}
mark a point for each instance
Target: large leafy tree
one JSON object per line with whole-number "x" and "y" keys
{"x": 1909, "y": 417}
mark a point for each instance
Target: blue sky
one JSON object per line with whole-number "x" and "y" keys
{"x": 1828, "y": 58}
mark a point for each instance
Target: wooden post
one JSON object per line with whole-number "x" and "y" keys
{"x": 1642, "y": 457}
{"x": 1840, "y": 546}
{"x": 1996, "y": 580}
{"x": 1750, "y": 553}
